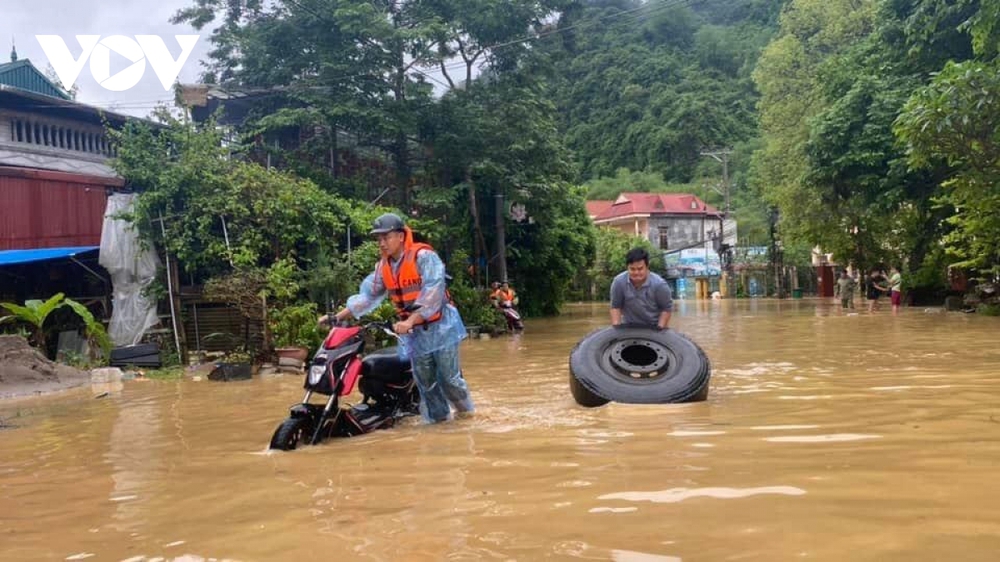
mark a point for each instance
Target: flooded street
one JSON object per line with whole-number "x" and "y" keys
{"x": 825, "y": 437}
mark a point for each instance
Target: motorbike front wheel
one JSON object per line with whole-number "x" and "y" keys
{"x": 290, "y": 433}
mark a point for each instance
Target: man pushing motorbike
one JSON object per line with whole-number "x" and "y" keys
{"x": 413, "y": 276}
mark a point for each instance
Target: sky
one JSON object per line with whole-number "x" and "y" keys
{"x": 22, "y": 20}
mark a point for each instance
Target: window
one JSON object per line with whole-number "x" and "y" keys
{"x": 664, "y": 238}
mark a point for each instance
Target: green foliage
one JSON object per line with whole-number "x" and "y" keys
{"x": 625, "y": 180}
{"x": 165, "y": 374}
{"x": 649, "y": 87}
{"x": 988, "y": 309}
{"x": 296, "y": 326}
{"x": 358, "y": 66}
{"x": 837, "y": 87}
{"x": 501, "y": 139}
{"x": 473, "y": 304}
{"x": 956, "y": 120}
{"x": 985, "y": 27}
{"x": 790, "y": 77}
{"x": 205, "y": 198}
{"x": 242, "y": 289}
{"x": 611, "y": 247}
{"x": 35, "y": 312}
{"x": 94, "y": 330}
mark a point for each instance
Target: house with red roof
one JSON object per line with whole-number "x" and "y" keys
{"x": 682, "y": 225}
{"x": 670, "y": 221}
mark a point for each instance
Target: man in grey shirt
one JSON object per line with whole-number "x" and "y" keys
{"x": 639, "y": 296}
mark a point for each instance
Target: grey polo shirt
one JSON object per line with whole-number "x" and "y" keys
{"x": 641, "y": 305}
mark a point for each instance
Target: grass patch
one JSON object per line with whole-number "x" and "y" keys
{"x": 989, "y": 309}
{"x": 165, "y": 374}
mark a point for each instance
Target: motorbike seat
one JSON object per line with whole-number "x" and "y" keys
{"x": 386, "y": 366}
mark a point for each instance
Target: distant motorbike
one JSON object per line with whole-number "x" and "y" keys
{"x": 386, "y": 383}
{"x": 513, "y": 317}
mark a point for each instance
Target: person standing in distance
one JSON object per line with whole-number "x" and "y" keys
{"x": 639, "y": 296}
{"x": 411, "y": 273}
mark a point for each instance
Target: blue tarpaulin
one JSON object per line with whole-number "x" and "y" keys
{"x": 12, "y": 257}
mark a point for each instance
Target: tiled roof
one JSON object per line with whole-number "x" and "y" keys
{"x": 595, "y": 208}
{"x": 629, "y": 204}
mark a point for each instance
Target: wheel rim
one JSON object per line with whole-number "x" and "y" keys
{"x": 638, "y": 360}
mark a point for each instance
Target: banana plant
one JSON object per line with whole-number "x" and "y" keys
{"x": 34, "y": 312}
{"x": 95, "y": 330}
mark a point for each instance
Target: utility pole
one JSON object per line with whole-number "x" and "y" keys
{"x": 723, "y": 157}
{"x": 724, "y": 250}
{"x": 501, "y": 240}
{"x": 776, "y": 254}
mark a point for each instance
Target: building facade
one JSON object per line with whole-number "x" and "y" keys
{"x": 54, "y": 186}
{"x": 688, "y": 231}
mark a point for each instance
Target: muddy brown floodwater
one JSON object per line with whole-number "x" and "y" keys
{"x": 825, "y": 437}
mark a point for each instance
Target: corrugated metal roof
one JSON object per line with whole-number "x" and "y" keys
{"x": 12, "y": 97}
{"x": 22, "y": 74}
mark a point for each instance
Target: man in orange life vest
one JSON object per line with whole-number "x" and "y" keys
{"x": 506, "y": 293}
{"x": 412, "y": 273}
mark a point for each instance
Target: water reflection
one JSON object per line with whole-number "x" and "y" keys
{"x": 826, "y": 436}
{"x": 675, "y": 495}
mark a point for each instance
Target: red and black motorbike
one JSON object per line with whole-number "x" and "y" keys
{"x": 384, "y": 379}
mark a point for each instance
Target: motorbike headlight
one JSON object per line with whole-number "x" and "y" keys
{"x": 316, "y": 373}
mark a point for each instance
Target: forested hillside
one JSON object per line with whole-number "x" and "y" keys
{"x": 643, "y": 88}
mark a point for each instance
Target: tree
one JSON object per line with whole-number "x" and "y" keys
{"x": 364, "y": 67}
{"x": 611, "y": 246}
{"x": 955, "y": 120}
{"x": 214, "y": 212}
{"x": 789, "y": 76}
{"x": 648, "y": 86}
{"x": 500, "y": 138}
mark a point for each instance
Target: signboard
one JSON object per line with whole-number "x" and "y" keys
{"x": 695, "y": 262}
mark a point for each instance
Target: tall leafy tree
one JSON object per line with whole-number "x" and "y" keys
{"x": 790, "y": 78}
{"x": 499, "y": 139}
{"x": 953, "y": 123}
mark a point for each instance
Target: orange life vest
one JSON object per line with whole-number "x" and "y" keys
{"x": 404, "y": 287}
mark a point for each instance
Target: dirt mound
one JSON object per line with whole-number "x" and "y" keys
{"x": 24, "y": 370}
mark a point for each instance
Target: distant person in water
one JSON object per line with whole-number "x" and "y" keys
{"x": 874, "y": 287}
{"x": 895, "y": 289}
{"x": 845, "y": 290}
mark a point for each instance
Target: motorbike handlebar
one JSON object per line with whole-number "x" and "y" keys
{"x": 383, "y": 325}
